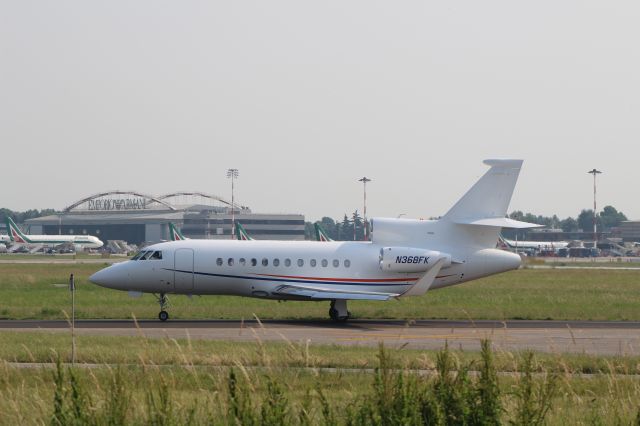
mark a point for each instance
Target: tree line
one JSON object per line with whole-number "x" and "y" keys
{"x": 20, "y": 217}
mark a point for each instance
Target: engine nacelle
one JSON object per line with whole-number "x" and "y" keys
{"x": 409, "y": 259}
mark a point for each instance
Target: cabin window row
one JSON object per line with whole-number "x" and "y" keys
{"x": 287, "y": 262}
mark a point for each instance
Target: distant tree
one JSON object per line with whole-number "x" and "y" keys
{"x": 20, "y": 217}
{"x": 531, "y": 218}
{"x": 345, "y": 232}
{"x": 610, "y": 217}
{"x": 585, "y": 220}
{"x": 6, "y": 212}
{"x": 358, "y": 225}
{"x": 569, "y": 224}
{"x": 309, "y": 231}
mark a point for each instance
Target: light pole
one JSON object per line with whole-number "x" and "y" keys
{"x": 364, "y": 181}
{"x": 594, "y": 172}
{"x": 233, "y": 175}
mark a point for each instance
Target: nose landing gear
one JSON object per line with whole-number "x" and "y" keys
{"x": 338, "y": 311}
{"x": 163, "y": 301}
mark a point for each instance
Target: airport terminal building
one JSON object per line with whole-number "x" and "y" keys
{"x": 140, "y": 218}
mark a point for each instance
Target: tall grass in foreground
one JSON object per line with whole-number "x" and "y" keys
{"x": 460, "y": 390}
{"x": 453, "y": 396}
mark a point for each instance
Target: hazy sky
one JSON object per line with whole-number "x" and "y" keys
{"x": 306, "y": 97}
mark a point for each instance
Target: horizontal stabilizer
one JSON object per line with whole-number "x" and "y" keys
{"x": 322, "y": 294}
{"x": 502, "y": 222}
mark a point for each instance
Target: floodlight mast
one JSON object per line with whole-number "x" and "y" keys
{"x": 233, "y": 175}
{"x": 364, "y": 181}
{"x": 595, "y": 172}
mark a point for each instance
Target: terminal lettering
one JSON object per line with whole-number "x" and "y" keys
{"x": 118, "y": 204}
{"x": 412, "y": 259}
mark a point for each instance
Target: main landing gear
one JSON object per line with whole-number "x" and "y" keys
{"x": 338, "y": 311}
{"x": 163, "y": 301}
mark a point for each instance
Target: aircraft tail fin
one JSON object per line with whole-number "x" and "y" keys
{"x": 487, "y": 201}
{"x": 15, "y": 234}
{"x": 321, "y": 234}
{"x": 175, "y": 234}
{"x": 241, "y": 233}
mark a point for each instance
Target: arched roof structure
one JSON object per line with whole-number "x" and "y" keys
{"x": 198, "y": 194}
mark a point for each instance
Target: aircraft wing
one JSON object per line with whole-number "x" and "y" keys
{"x": 424, "y": 283}
{"x": 314, "y": 293}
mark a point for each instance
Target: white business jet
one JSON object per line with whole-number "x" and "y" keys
{"x": 404, "y": 257}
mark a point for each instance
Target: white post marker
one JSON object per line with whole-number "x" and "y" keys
{"x": 72, "y": 289}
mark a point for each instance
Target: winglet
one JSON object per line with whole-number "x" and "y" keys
{"x": 175, "y": 234}
{"x": 15, "y": 234}
{"x": 241, "y": 233}
{"x": 321, "y": 234}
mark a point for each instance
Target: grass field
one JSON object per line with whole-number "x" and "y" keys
{"x": 37, "y": 291}
{"x": 195, "y": 389}
{"x": 42, "y": 347}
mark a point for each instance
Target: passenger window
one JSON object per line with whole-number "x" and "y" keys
{"x": 300, "y": 262}
{"x": 242, "y": 261}
{"x": 219, "y": 261}
{"x": 265, "y": 262}
{"x": 157, "y": 255}
{"x": 312, "y": 262}
{"x": 287, "y": 262}
{"x": 230, "y": 261}
{"x": 325, "y": 262}
{"x": 276, "y": 262}
{"x": 254, "y": 262}
{"x": 336, "y": 263}
{"x": 347, "y": 263}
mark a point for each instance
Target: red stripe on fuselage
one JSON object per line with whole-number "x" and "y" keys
{"x": 374, "y": 280}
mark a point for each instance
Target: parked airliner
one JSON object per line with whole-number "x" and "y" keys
{"x": 534, "y": 245}
{"x": 79, "y": 241}
{"x": 404, "y": 257}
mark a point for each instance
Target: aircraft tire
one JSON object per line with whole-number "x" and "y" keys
{"x": 163, "y": 316}
{"x": 333, "y": 313}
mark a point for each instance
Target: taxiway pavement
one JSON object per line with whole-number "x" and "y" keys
{"x": 589, "y": 337}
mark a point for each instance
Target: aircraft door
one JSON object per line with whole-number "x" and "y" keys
{"x": 183, "y": 274}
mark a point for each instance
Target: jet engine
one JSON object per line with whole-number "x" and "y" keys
{"x": 409, "y": 259}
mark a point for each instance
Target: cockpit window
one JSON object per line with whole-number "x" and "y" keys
{"x": 142, "y": 255}
{"x": 157, "y": 255}
{"x": 138, "y": 255}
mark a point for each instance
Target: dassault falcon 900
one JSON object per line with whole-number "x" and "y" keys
{"x": 404, "y": 257}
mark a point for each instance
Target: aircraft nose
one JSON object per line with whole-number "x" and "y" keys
{"x": 110, "y": 277}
